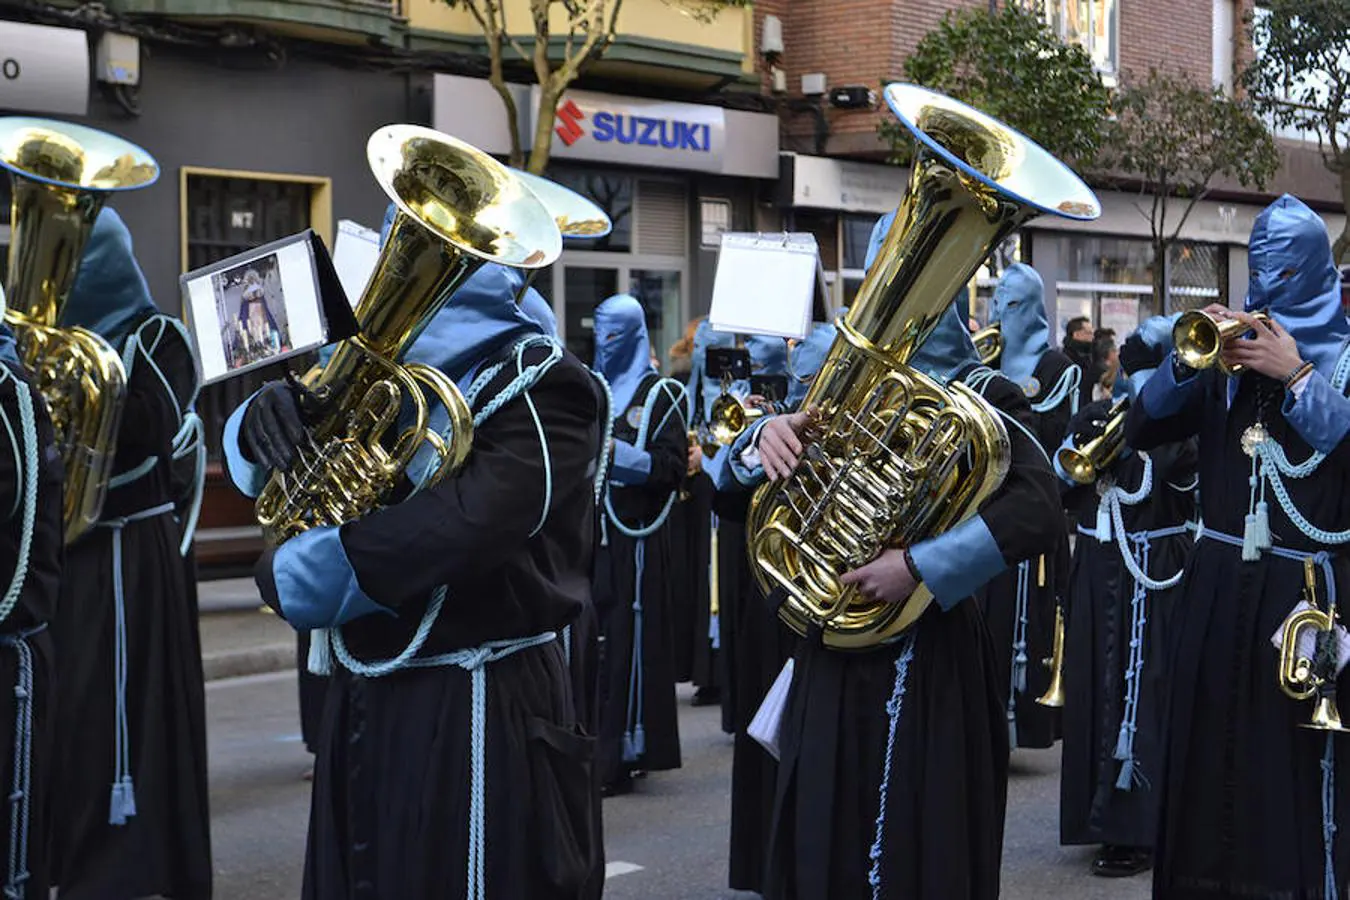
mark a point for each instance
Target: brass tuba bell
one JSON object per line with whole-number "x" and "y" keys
{"x": 894, "y": 456}
{"x": 577, "y": 216}
{"x": 1200, "y": 338}
{"x": 989, "y": 344}
{"x": 1313, "y": 678}
{"x": 1086, "y": 463}
{"x": 62, "y": 176}
{"x": 458, "y": 208}
{"x": 1054, "y": 694}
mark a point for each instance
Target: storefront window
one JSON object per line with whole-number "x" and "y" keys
{"x": 1092, "y": 24}
{"x": 659, "y": 293}
{"x": 612, "y": 192}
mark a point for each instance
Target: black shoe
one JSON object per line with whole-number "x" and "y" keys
{"x": 618, "y": 787}
{"x": 1122, "y": 862}
{"x": 707, "y": 696}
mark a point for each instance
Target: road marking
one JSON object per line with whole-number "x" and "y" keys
{"x": 246, "y": 680}
{"x": 616, "y": 868}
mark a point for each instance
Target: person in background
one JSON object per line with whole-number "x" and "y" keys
{"x": 1077, "y": 345}
{"x": 1108, "y": 355}
{"x": 688, "y": 532}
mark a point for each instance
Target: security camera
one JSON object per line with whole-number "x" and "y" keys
{"x": 853, "y": 96}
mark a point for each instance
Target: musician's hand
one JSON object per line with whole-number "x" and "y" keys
{"x": 1270, "y": 350}
{"x": 1089, "y": 422}
{"x": 1137, "y": 356}
{"x": 780, "y": 444}
{"x": 272, "y": 428}
{"x": 886, "y": 579}
{"x": 755, "y": 401}
{"x": 1219, "y": 311}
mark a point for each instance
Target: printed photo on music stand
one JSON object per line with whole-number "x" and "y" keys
{"x": 251, "y": 310}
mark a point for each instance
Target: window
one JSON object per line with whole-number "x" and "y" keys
{"x": 224, "y": 213}
{"x": 1092, "y": 24}
{"x": 1225, "y": 14}
{"x": 612, "y": 192}
{"x": 714, "y": 221}
{"x": 1297, "y": 83}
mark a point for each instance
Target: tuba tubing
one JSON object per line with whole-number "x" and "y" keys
{"x": 895, "y": 457}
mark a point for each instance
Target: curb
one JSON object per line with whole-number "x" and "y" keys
{"x": 253, "y": 661}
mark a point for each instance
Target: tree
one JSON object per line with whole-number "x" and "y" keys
{"x": 1010, "y": 64}
{"x": 1301, "y": 79}
{"x": 588, "y": 28}
{"x": 1174, "y": 137}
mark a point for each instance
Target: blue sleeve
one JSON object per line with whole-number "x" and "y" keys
{"x": 718, "y": 468}
{"x": 748, "y": 473}
{"x": 249, "y": 477}
{"x": 631, "y": 466}
{"x": 316, "y": 586}
{"x": 1163, "y": 396}
{"x": 958, "y": 562}
{"x": 1320, "y": 415}
{"x": 1054, "y": 461}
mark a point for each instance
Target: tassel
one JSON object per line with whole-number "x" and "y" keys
{"x": 604, "y": 531}
{"x": 715, "y": 631}
{"x": 630, "y": 753}
{"x": 320, "y": 660}
{"x": 1250, "y": 552}
{"x": 1261, "y": 528}
{"x": 1123, "y": 750}
{"x": 122, "y": 801}
{"x": 1125, "y": 781}
{"x": 1104, "y": 522}
{"x": 1012, "y": 730}
{"x": 1020, "y": 672}
{"x": 640, "y": 741}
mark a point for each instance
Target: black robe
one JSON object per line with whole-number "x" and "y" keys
{"x": 1029, "y": 723}
{"x": 1242, "y": 782}
{"x": 655, "y": 745}
{"x": 390, "y": 810}
{"x": 735, "y": 588}
{"x": 27, "y": 625}
{"x": 1100, "y": 619}
{"x": 944, "y": 804}
{"x": 164, "y": 848}
{"x": 705, "y": 668}
{"x": 312, "y": 689}
{"x": 684, "y": 581}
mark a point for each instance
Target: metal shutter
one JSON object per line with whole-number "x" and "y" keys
{"x": 662, "y": 218}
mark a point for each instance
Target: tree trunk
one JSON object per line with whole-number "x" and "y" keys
{"x": 1162, "y": 272}
{"x": 543, "y": 128}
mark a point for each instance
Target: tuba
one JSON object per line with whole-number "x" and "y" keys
{"x": 988, "y": 344}
{"x": 1200, "y": 338}
{"x": 1084, "y": 464}
{"x": 62, "y": 175}
{"x": 892, "y": 456}
{"x": 577, "y": 216}
{"x": 1311, "y": 678}
{"x": 457, "y": 209}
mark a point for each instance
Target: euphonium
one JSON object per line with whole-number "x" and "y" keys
{"x": 1086, "y": 463}
{"x": 892, "y": 456}
{"x": 457, "y": 209}
{"x": 989, "y": 343}
{"x": 1312, "y": 678}
{"x": 1054, "y": 694}
{"x": 1200, "y": 339}
{"x": 729, "y": 417}
{"x": 61, "y": 176}
{"x": 576, "y": 216}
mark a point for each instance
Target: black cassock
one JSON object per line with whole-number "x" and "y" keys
{"x": 639, "y": 721}
{"x": 944, "y": 804}
{"x": 390, "y": 813}
{"x": 705, "y": 670}
{"x": 164, "y": 847}
{"x": 26, "y": 653}
{"x": 1111, "y": 685}
{"x": 684, "y": 559}
{"x": 1242, "y": 782}
{"x": 312, "y": 689}
{"x": 1021, "y": 648}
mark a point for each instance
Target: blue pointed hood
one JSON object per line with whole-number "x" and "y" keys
{"x": 1018, "y": 306}
{"x": 110, "y": 296}
{"x": 1294, "y": 279}
{"x": 388, "y": 223}
{"x": 805, "y": 361}
{"x": 768, "y": 354}
{"x": 874, "y": 243}
{"x": 480, "y": 320}
{"x": 706, "y": 337}
{"x": 623, "y": 352}
{"x": 537, "y": 308}
{"x": 947, "y": 349}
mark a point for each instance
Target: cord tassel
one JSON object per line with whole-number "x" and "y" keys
{"x": 1125, "y": 780}
{"x": 1104, "y": 521}
{"x": 1262, "y": 527}
{"x": 1250, "y": 552}
{"x": 1020, "y": 671}
{"x": 320, "y": 660}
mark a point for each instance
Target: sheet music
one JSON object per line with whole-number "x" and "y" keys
{"x": 765, "y": 284}
{"x": 354, "y": 254}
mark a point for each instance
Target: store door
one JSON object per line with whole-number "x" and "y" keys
{"x": 579, "y": 287}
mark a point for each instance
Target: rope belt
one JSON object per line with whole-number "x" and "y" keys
{"x": 20, "y": 795}
{"x": 635, "y": 733}
{"x": 1323, "y": 560}
{"x": 894, "y": 706}
{"x": 122, "y": 803}
{"x": 1019, "y": 662}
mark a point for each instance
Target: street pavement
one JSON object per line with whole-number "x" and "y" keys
{"x": 667, "y": 841}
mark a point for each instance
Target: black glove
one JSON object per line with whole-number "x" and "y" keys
{"x": 1137, "y": 356}
{"x": 273, "y": 427}
{"x": 266, "y": 580}
{"x": 1089, "y": 422}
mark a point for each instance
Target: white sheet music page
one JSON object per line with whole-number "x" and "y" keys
{"x": 765, "y": 284}
{"x": 354, "y": 254}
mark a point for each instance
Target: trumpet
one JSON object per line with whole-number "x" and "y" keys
{"x": 729, "y": 417}
{"x": 1086, "y": 463}
{"x": 989, "y": 344}
{"x": 1302, "y": 677}
{"x": 1054, "y": 694}
{"x": 1200, "y": 339}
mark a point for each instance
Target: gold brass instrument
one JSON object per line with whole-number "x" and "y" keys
{"x": 894, "y": 457}
{"x": 457, "y": 209}
{"x": 1086, "y": 463}
{"x": 989, "y": 344}
{"x": 1054, "y": 694}
{"x": 577, "y": 216}
{"x": 729, "y": 417}
{"x": 1200, "y": 339}
{"x": 61, "y": 177}
{"x": 1304, "y": 678}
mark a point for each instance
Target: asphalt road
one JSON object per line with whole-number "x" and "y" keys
{"x": 667, "y": 841}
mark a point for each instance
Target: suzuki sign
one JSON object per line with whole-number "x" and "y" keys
{"x": 640, "y": 132}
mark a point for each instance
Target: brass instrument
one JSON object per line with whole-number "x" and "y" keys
{"x": 457, "y": 209}
{"x": 892, "y": 456}
{"x": 1086, "y": 463}
{"x": 61, "y": 177}
{"x": 989, "y": 344}
{"x": 1054, "y": 694}
{"x": 1200, "y": 339}
{"x": 729, "y": 417}
{"x": 1304, "y": 678}
{"x": 577, "y": 216}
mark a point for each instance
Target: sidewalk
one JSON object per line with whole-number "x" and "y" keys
{"x": 240, "y": 636}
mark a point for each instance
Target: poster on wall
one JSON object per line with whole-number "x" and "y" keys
{"x": 1121, "y": 315}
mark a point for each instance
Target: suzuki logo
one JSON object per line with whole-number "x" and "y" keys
{"x": 569, "y": 123}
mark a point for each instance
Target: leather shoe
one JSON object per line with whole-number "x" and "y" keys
{"x": 1122, "y": 862}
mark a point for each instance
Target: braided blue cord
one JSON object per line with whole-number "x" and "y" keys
{"x": 1019, "y": 662}
{"x": 635, "y": 736}
{"x": 894, "y": 706}
{"x": 28, "y": 430}
{"x": 1116, "y": 497}
{"x": 648, "y": 407}
{"x": 1329, "y": 816}
{"x": 20, "y": 798}
{"x": 1067, "y": 386}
